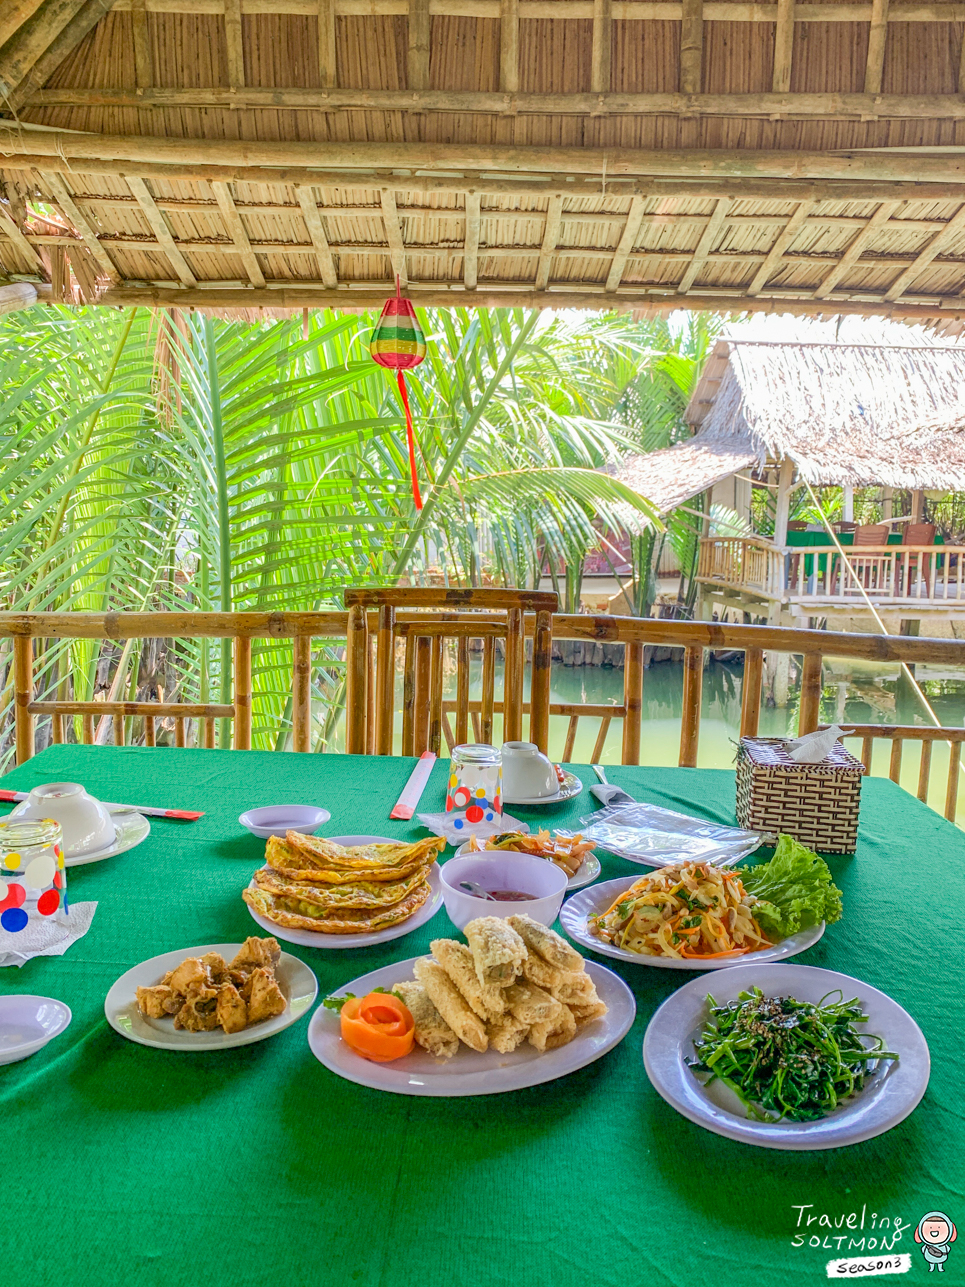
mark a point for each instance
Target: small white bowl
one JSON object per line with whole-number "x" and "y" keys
{"x": 276, "y": 819}
{"x": 27, "y": 1024}
{"x": 85, "y": 822}
{"x": 528, "y": 774}
{"x": 503, "y": 871}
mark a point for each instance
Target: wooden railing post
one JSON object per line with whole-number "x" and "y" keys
{"x": 690, "y": 716}
{"x": 751, "y": 691}
{"x": 356, "y": 674}
{"x": 23, "y": 691}
{"x": 539, "y": 693}
{"x": 810, "y": 693}
{"x": 242, "y": 720}
{"x": 513, "y": 677}
{"x": 302, "y": 694}
{"x": 385, "y": 680}
{"x": 632, "y": 701}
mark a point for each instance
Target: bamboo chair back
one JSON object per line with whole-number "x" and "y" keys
{"x": 919, "y": 534}
{"x": 448, "y": 614}
{"x": 872, "y": 534}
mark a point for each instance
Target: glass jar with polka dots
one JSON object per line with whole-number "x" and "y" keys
{"x": 33, "y": 882}
{"x": 475, "y": 791}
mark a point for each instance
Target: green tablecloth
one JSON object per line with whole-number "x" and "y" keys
{"x": 258, "y": 1167}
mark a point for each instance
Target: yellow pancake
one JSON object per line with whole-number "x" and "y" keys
{"x": 354, "y": 893}
{"x": 318, "y": 852}
{"x": 291, "y": 865}
{"x": 349, "y": 921}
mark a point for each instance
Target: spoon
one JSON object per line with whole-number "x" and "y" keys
{"x": 471, "y": 887}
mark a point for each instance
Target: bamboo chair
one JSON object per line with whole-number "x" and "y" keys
{"x": 921, "y": 564}
{"x": 453, "y": 614}
{"x": 870, "y": 569}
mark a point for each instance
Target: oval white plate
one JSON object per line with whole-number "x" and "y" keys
{"x": 587, "y": 871}
{"x": 571, "y": 787}
{"x": 575, "y": 912}
{"x": 130, "y": 829}
{"x": 314, "y": 938}
{"x": 27, "y": 1023}
{"x": 468, "y": 1072}
{"x": 296, "y": 981}
{"x": 891, "y": 1093}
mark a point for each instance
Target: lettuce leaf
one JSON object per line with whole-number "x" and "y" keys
{"x": 795, "y": 889}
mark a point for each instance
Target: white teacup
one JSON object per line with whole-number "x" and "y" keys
{"x": 86, "y": 824}
{"x": 528, "y": 774}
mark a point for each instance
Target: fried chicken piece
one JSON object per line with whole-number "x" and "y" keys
{"x": 451, "y": 1004}
{"x": 530, "y": 1004}
{"x": 506, "y": 1033}
{"x": 587, "y": 1013}
{"x": 167, "y": 979}
{"x": 216, "y": 966}
{"x": 547, "y": 943}
{"x": 158, "y": 1002}
{"x": 487, "y": 1001}
{"x": 432, "y": 1032}
{"x": 232, "y": 1011}
{"x": 255, "y": 952}
{"x": 497, "y": 950}
{"x": 266, "y": 999}
{"x": 200, "y": 1010}
{"x": 190, "y": 973}
{"x": 555, "y": 1032}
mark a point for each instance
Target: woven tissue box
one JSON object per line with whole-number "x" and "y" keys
{"x": 817, "y": 804}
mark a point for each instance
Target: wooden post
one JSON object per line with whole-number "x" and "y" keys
{"x": 690, "y": 717}
{"x": 488, "y": 690}
{"x": 420, "y": 713}
{"x": 847, "y": 506}
{"x": 302, "y": 694}
{"x": 356, "y": 673}
{"x": 539, "y": 691}
{"x": 385, "y": 680}
{"x": 327, "y": 66}
{"x": 601, "y": 52}
{"x": 951, "y": 791}
{"x": 632, "y": 701}
{"x": 462, "y": 690}
{"x": 435, "y": 694}
{"x": 784, "y": 480}
{"x": 691, "y": 46}
{"x": 509, "y": 46}
{"x": 23, "y": 691}
{"x": 810, "y": 693}
{"x": 242, "y": 740}
{"x": 513, "y": 677}
{"x": 887, "y": 503}
{"x": 408, "y": 693}
{"x": 751, "y": 691}
{"x": 924, "y": 770}
{"x": 917, "y": 505}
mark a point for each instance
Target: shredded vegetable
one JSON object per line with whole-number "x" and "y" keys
{"x": 566, "y": 851}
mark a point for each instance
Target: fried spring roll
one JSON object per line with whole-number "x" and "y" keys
{"x": 547, "y": 943}
{"x": 506, "y": 1033}
{"x": 497, "y": 950}
{"x": 530, "y": 1004}
{"x": 576, "y": 989}
{"x": 431, "y": 1031}
{"x": 587, "y": 1013}
{"x": 554, "y": 1033}
{"x": 456, "y": 959}
{"x": 451, "y": 1004}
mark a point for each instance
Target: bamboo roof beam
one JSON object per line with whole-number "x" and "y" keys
{"x": 876, "y": 47}
{"x": 783, "y": 46}
{"x": 316, "y": 230}
{"x": 954, "y": 226}
{"x": 393, "y": 236}
{"x": 509, "y": 102}
{"x": 143, "y": 60}
{"x": 602, "y": 49}
{"x": 17, "y": 295}
{"x": 470, "y": 270}
{"x": 856, "y": 247}
{"x": 705, "y": 245}
{"x": 63, "y": 43}
{"x": 161, "y": 230}
{"x": 8, "y": 225}
{"x": 238, "y": 233}
{"x": 691, "y": 45}
{"x": 61, "y": 193}
{"x": 961, "y": 67}
{"x": 28, "y": 42}
{"x": 418, "y": 59}
{"x": 551, "y": 236}
{"x": 631, "y": 230}
{"x": 14, "y": 14}
{"x": 776, "y": 253}
{"x": 509, "y": 46}
{"x": 235, "y": 46}
{"x": 327, "y": 65}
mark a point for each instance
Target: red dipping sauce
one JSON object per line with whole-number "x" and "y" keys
{"x": 510, "y": 896}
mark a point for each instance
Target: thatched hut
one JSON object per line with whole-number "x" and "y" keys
{"x": 268, "y": 154}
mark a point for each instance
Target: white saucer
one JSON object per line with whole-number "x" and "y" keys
{"x": 313, "y": 938}
{"x": 27, "y": 1023}
{"x": 571, "y": 787}
{"x": 585, "y": 874}
{"x": 297, "y": 982}
{"x": 130, "y": 829}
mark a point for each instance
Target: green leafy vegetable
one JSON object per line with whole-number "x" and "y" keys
{"x": 795, "y": 890}
{"x": 335, "y": 1003}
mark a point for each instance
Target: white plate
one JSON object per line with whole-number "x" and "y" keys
{"x": 587, "y": 871}
{"x": 576, "y": 911}
{"x": 891, "y": 1093}
{"x": 571, "y": 786}
{"x": 129, "y": 828}
{"x": 27, "y": 1023}
{"x": 296, "y": 981}
{"x": 468, "y": 1072}
{"x": 314, "y": 938}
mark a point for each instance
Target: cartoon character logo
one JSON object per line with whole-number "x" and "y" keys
{"x": 936, "y": 1233}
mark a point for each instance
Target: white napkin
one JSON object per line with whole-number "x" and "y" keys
{"x": 35, "y": 940}
{"x": 441, "y": 824}
{"x": 815, "y": 747}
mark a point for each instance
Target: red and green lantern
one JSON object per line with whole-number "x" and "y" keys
{"x": 399, "y": 344}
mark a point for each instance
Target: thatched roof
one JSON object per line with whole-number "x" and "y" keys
{"x": 858, "y": 414}
{"x": 600, "y": 153}
{"x": 668, "y": 478}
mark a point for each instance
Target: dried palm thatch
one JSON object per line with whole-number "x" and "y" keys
{"x": 280, "y": 154}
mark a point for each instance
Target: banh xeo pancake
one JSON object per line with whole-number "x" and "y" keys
{"x": 326, "y": 855}
{"x": 341, "y": 921}
{"x": 353, "y": 893}
{"x": 292, "y": 865}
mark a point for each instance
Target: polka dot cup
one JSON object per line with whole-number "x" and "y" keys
{"x": 474, "y": 793}
{"x": 33, "y": 881}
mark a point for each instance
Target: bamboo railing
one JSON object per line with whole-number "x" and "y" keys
{"x": 301, "y": 628}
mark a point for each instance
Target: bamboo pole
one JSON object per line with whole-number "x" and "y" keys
{"x": 420, "y": 713}
{"x": 242, "y": 702}
{"x": 509, "y": 46}
{"x": 539, "y": 720}
{"x": 951, "y": 790}
{"x": 356, "y": 676}
{"x": 690, "y": 717}
{"x": 435, "y": 695}
{"x": 302, "y": 694}
{"x": 600, "y": 742}
{"x": 488, "y": 690}
{"x": 632, "y": 702}
{"x": 751, "y": 692}
{"x": 23, "y": 683}
{"x": 462, "y": 690}
{"x": 513, "y": 677}
{"x": 811, "y": 675}
{"x": 385, "y": 680}
{"x": 408, "y": 694}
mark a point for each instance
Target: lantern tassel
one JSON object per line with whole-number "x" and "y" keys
{"x": 410, "y": 438}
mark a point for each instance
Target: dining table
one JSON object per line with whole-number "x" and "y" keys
{"x": 259, "y": 1167}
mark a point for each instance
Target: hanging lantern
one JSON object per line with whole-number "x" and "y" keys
{"x": 399, "y": 344}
